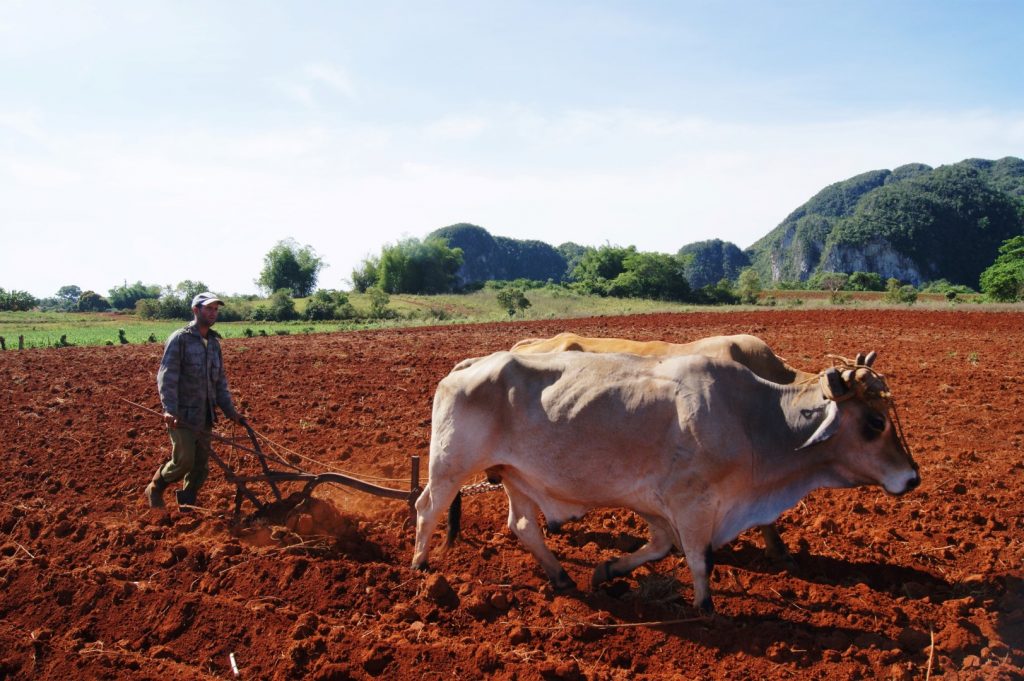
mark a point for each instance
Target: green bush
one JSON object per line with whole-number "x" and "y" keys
{"x": 1004, "y": 280}
{"x": 327, "y": 304}
{"x": 282, "y": 307}
{"x": 897, "y": 293}
{"x": 513, "y": 300}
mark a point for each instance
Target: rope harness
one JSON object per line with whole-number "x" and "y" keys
{"x": 847, "y": 379}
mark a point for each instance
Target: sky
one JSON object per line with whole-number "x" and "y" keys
{"x": 181, "y": 140}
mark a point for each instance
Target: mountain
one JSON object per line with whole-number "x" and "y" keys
{"x": 488, "y": 257}
{"x": 914, "y": 223}
{"x": 708, "y": 262}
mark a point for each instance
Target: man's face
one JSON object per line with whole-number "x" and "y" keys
{"x": 207, "y": 314}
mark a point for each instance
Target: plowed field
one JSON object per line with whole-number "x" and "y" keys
{"x": 93, "y": 585}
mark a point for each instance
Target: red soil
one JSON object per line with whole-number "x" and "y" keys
{"x": 96, "y": 586}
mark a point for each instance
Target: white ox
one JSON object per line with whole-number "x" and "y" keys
{"x": 748, "y": 350}
{"x": 701, "y": 448}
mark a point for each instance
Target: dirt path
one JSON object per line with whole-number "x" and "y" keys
{"x": 93, "y": 586}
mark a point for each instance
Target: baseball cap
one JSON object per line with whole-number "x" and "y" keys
{"x": 204, "y": 298}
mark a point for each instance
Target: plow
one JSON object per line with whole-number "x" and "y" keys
{"x": 274, "y": 470}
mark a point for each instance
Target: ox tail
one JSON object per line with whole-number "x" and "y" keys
{"x": 454, "y": 519}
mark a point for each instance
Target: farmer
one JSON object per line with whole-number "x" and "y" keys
{"x": 191, "y": 382}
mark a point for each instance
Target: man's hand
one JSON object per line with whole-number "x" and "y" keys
{"x": 171, "y": 420}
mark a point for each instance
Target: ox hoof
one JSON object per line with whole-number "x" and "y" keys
{"x": 706, "y": 608}
{"x": 786, "y": 562}
{"x": 422, "y": 566}
{"x": 602, "y": 574}
{"x": 563, "y": 582}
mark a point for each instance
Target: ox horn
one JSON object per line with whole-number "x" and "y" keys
{"x": 828, "y": 427}
{"x": 870, "y": 359}
{"x": 860, "y": 360}
{"x": 837, "y": 387}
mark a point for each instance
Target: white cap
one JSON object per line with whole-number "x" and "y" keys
{"x": 205, "y": 298}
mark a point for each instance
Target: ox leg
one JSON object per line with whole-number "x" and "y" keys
{"x": 661, "y": 542}
{"x": 522, "y": 520}
{"x": 430, "y": 505}
{"x": 775, "y": 548}
{"x": 701, "y": 563}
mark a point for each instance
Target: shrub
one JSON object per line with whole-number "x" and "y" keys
{"x": 282, "y": 307}
{"x": 328, "y": 304}
{"x": 378, "y": 304}
{"x": 895, "y": 293}
{"x": 1004, "y": 279}
{"x": 90, "y": 301}
{"x": 513, "y": 300}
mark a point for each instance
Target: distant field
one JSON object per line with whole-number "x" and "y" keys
{"x": 45, "y": 329}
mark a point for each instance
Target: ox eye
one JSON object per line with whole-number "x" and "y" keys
{"x": 876, "y": 421}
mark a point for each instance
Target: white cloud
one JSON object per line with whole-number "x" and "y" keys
{"x": 457, "y": 128}
{"x": 312, "y": 83}
{"x": 332, "y": 76}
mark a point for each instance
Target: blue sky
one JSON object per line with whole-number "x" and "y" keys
{"x": 163, "y": 141}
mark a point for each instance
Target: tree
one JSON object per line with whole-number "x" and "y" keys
{"x": 365, "y": 276}
{"x": 288, "y": 265}
{"x": 598, "y": 267}
{"x": 414, "y": 266}
{"x": 897, "y": 293}
{"x": 829, "y": 281}
{"x": 749, "y": 285}
{"x": 90, "y": 301}
{"x": 68, "y": 297}
{"x": 513, "y": 300}
{"x": 654, "y": 276}
{"x": 188, "y": 290}
{"x": 1004, "y": 279}
{"x": 721, "y": 293}
{"x": 17, "y": 301}
{"x": 865, "y": 281}
{"x": 125, "y": 297}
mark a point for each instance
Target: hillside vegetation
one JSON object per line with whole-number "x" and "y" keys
{"x": 914, "y": 223}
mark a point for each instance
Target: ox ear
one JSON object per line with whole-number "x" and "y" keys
{"x": 828, "y": 427}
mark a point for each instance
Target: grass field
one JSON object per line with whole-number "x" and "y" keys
{"x": 45, "y": 329}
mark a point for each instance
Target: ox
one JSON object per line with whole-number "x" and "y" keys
{"x": 750, "y": 351}
{"x": 701, "y": 448}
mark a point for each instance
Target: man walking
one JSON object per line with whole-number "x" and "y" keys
{"x": 191, "y": 382}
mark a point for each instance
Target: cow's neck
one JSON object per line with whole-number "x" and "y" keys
{"x": 783, "y": 474}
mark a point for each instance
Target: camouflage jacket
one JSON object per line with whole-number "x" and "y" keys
{"x": 191, "y": 378}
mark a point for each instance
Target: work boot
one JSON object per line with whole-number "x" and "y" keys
{"x": 155, "y": 491}
{"x": 186, "y": 499}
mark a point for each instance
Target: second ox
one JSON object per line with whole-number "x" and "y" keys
{"x": 748, "y": 350}
{"x": 701, "y": 448}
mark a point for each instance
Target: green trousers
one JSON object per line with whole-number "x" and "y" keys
{"x": 190, "y": 458}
